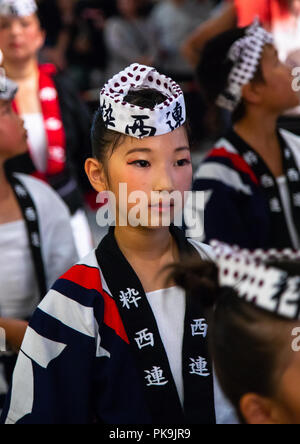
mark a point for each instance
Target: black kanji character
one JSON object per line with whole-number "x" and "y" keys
{"x": 282, "y": 286}
{"x": 177, "y": 117}
{"x": 107, "y": 116}
{"x": 139, "y": 126}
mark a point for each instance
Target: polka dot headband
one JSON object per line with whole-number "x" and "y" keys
{"x": 266, "y": 287}
{"x": 246, "y": 53}
{"x": 136, "y": 121}
{"x": 19, "y": 8}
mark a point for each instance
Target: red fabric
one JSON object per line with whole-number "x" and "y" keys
{"x": 238, "y": 162}
{"x": 89, "y": 278}
{"x": 248, "y": 10}
{"x": 52, "y": 120}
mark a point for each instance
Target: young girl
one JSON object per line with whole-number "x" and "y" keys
{"x": 255, "y": 329}
{"x": 110, "y": 343}
{"x": 57, "y": 122}
{"x": 36, "y": 240}
{"x": 251, "y": 177}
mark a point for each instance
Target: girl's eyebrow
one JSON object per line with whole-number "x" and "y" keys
{"x": 148, "y": 150}
{"x": 183, "y": 148}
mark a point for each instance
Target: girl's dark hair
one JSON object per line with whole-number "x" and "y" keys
{"x": 248, "y": 345}
{"x": 214, "y": 68}
{"x": 104, "y": 139}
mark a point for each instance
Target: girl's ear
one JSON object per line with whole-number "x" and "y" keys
{"x": 258, "y": 410}
{"x": 95, "y": 173}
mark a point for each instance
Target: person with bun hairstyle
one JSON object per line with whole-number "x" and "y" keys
{"x": 111, "y": 342}
{"x": 254, "y": 328}
{"x": 251, "y": 176}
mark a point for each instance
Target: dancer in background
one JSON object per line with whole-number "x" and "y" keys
{"x": 112, "y": 342}
{"x": 57, "y": 122}
{"x": 36, "y": 241}
{"x": 251, "y": 177}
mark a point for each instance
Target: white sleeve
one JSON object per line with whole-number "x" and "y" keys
{"x": 58, "y": 245}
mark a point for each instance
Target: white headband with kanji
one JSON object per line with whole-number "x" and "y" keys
{"x": 123, "y": 117}
{"x": 246, "y": 53}
{"x": 19, "y": 8}
{"x": 266, "y": 287}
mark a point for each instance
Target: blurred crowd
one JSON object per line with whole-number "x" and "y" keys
{"x": 93, "y": 39}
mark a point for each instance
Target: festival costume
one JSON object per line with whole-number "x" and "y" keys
{"x": 28, "y": 240}
{"x": 82, "y": 331}
{"x": 243, "y": 203}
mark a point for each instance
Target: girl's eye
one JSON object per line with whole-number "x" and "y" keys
{"x": 140, "y": 163}
{"x": 183, "y": 162}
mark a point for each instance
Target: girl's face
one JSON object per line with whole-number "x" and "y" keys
{"x": 13, "y": 136}
{"x": 276, "y": 93}
{"x": 153, "y": 164}
{"x": 20, "y": 37}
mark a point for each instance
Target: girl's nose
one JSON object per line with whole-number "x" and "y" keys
{"x": 164, "y": 181}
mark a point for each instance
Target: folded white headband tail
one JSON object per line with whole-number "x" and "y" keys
{"x": 136, "y": 121}
{"x": 246, "y": 53}
{"x": 19, "y": 8}
{"x": 266, "y": 287}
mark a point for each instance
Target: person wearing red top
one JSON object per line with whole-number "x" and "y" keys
{"x": 57, "y": 122}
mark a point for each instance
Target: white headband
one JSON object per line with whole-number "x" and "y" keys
{"x": 19, "y": 8}
{"x": 136, "y": 121}
{"x": 246, "y": 53}
{"x": 266, "y": 287}
{"x": 8, "y": 88}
